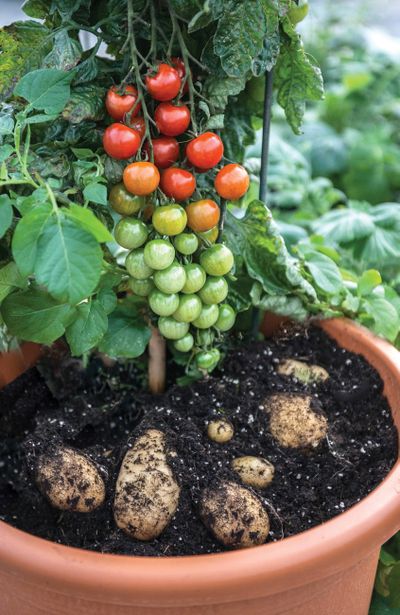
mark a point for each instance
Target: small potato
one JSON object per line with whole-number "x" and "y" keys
{"x": 302, "y": 371}
{"x": 220, "y": 431}
{"x": 234, "y": 515}
{"x": 70, "y": 481}
{"x": 254, "y": 471}
{"x": 293, "y": 422}
{"x": 146, "y": 493}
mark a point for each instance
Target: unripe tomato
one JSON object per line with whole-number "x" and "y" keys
{"x": 141, "y": 178}
{"x": 210, "y": 236}
{"x": 138, "y": 123}
{"x": 179, "y": 65}
{"x": 217, "y": 260}
{"x": 120, "y": 141}
{"x": 163, "y": 304}
{"x": 207, "y": 317}
{"x": 202, "y": 215}
{"x": 171, "y": 329}
{"x": 136, "y": 265}
{"x": 165, "y": 151}
{"x": 131, "y": 233}
{"x": 185, "y": 343}
{"x": 165, "y": 84}
{"x": 169, "y": 219}
{"x": 298, "y": 12}
{"x": 195, "y": 278}
{"x": 141, "y": 288}
{"x": 186, "y": 243}
{"x": 172, "y": 120}
{"x": 121, "y": 100}
{"x": 172, "y": 279}
{"x": 214, "y": 290}
{"x": 205, "y": 337}
{"x": 123, "y": 202}
{"x": 205, "y": 151}
{"x": 189, "y": 308}
{"x": 226, "y": 318}
{"x": 159, "y": 254}
{"x": 232, "y": 182}
{"x": 208, "y": 359}
{"x": 177, "y": 184}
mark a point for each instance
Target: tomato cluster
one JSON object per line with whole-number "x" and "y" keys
{"x": 174, "y": 258}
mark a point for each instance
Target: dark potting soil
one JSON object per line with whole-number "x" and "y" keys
{"x": 99, "y": 410}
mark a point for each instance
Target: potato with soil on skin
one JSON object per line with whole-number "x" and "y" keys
{"x": 234, "y": 515}
{"x": 220, "y": 430}
{"x": 146, "y": 493}
{"x": 256, "y": 472}
{"x": 302, "y": 371}
{"x": 70, "y": 480}
{"x": 293, "y": 422}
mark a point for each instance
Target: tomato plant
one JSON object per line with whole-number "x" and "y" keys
{"x": 169, "y": 219}
{"x": 202, "y": 215}
{"x": 120, "y": 141}
{"x": 122, "y": 100}
{"x": 141, "y": 178}
{"x": 232, "y": 182}
{"x": 165, "y": 151}
{"x": 205, "y": 151}
{"x": 178, "y": 184}
{"x": 172, "y": 120}
{"x": 164, "y": 84}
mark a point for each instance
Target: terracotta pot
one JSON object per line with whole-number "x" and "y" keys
{"x": 328, "y": 570}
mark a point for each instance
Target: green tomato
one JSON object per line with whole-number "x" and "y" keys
{"x": 123, "y": 202}
{"x": 159, "y": 254}
{"x": 186, "y": 243}
{"x": 189, "y": 308}
{"x": 137, "y": 266}
{"x": 226, "y": 317}
{"x": 207, "y": 317}
{"x": 208, "y": 359}
{"x": 298, "y": 12}
{"x": 169, "y": 219}
{"x": 131, "y": 233}
{"x": 141, "y": 288}
{"x": 209, "y": 236}
{"x": 217, "y": 260}
{"x": 172, "y": 279}
{"x": 214, "y": 290}
{"x": 195, "y": 278}
{"x": 163, "y": 304}
{"x": 185, "y": 343}
{"x": 205, "y": 337}
{"x": 171, "y": 329}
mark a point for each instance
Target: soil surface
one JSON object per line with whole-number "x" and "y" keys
{"x": 99, "y": 411}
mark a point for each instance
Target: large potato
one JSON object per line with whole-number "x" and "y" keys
{"x": 254, "y": 471}
{"x": 302, "y": 371}
{"x": 146, "y": 493}
{"x": 70, "y": 480}
{"x": 293, "y": 422}
{"x": 234, "y": 515}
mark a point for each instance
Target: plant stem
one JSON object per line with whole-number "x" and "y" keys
{"x": 157, "y": 362}
{"x": 221, "y": 220}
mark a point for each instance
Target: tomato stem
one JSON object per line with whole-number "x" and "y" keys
{"x": 221, "y": 220}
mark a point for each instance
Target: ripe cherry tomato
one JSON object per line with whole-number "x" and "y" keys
{"x": 205, "y": 151}
{"x": 131, "y": 233}
{"x": 141, "y": 178}
{"x": 138, "y": 123}
{"x": 179, "y": 65}
{"x": 207, "y": 317}
{"x": 185, "y": 344}
{"x": 232, "y": 182}
{"x": 195, "y": 278}
{"x": 165, "y": 84}
{"x": 163, "y": 304}
{"x": 141, "y": 288}
{"x": 159, "y": 254}
{"x": 202, "y": 215}
{"x": 208, "y": 359}
{"x": 123, "y": 202}
{"x": 210, "y": 236}
{"x": 121, "y": 100}
{"x": 172, "y": 279}
{"x": 171, "y": 329}
{"x": 189, "y": 308}
{"x": 136, "y": 266}
{"x": 226, "y": 318}
{"x": 172, "y": 120}
{"x": 169, "y": 219}
{"x": 165, "y": 151}
{"x": 120, "y": 141}
{"x": 178, "y": 184}
{"x": 217, "y": 260}
{"x": 214, "y": 290}
{"x": 186, "y": 243}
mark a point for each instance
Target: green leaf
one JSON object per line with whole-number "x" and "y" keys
{"x": 6, "y": 214}
{"x": 36, "y": 8}
{"x": 67, "y": 8}
{"x": 344, "y": 225}
{"x": 39, "y": 118}
{"x": 34, "y": 316}
{"x": 380, "y": 606}
{"x": 128, "y": 334}
{"x": 368, "y": 281}
{"x": 89, "y": 326}
{"x": 386, "y": 320}
{"x": 86, "y": 219}
{"x": 10, "y": 280}
{"x": 96, "y": 193}
{"x": 108, "y": 299}
{"x": 86, "y": 103}
{"x": 26, "y": 237}
{"x": 46, "y": 89}
{"x": 238, "y": 132}
{"x": 65, "y": 54}
{"x": 283, "y": 305}
{"x": 324, "y": 271}
{"x": 218, "y": 89}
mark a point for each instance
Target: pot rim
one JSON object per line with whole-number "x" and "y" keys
{"x": 221, "y": 577}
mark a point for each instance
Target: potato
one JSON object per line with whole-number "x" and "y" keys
{"x": 220, "y": 430}
{"x": 234, "y": 515}
{"x": 70, "y": 480}
{"x": 293, "y": 422}
{"x": 146, "y": 493}
{"x": 302, "y": 371}
{"x": 254, "y": 471}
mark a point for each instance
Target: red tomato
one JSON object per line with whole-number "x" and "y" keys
{"x": 179, "y": 65}
{"x": 202, "y": 215}
{"x": 172, "y": 120}
{"x": 165, "y": 151}
{"x": 165, "y": 84}
{"x": 141, "y": 178}
{"x": 138, "y": 124}
{"x": 177, "y": 183}
{"x": 120, "y": 141}
{"x": 232, "y": 182}
{"x": 205, "y": 151}
{"x": 121, "y": 100}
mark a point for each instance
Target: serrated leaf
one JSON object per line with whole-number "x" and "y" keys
{"x": 46, "y": 89}
{"x": 344, "y": 225}
{"x": 96, "y": 193}
{"x": 88, "y": 327}
{"x": 26, "y": 237}
{"x": 217, "y": 89}
{"x": 36, "y": 8}
{"x": 65, "y": 54}
{"x": 86, "y": 219}
{"x": 86, "y": 103}
{"x": 10, "y": 279}
{"x": 127, "y": 335}
{"x": 6, "y": 214}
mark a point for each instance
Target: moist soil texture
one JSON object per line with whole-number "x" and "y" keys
{"x": 102, "y": 410}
